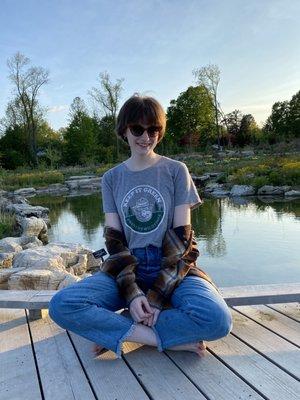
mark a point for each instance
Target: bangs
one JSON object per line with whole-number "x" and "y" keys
{"x": 145, "y": 113}
{"x": 141, "y": 110}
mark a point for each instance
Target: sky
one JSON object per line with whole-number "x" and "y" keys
{"x": 155, "y": 46}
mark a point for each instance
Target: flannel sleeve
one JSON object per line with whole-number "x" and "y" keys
{"x": 178, "y": 259}
{"x": 121, "y": 264}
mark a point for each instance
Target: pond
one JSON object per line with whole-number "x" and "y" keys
{"x": 241, "y": 242}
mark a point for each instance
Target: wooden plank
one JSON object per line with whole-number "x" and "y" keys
{"x": 237, "y": 295}
{"x": 271, "y": 319}
{"x": 15, "y": 298}
{"x": 214, "y": 379}
{"x": 270, "y": 380}
{"x": 285, "y": 354}
{"x": 159, "y": 375}
{"x": 261, "y": 294}
{"x": 60, "y": 371}
{"x": 29, "y": 299}
{"x": 18, "y": 375}
{"x": 292, "y": 310}
{"x": 110, "y": 377}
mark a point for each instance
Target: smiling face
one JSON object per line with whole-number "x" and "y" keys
{"x": 144, "y": 111}
{"x": 142, "y": 145}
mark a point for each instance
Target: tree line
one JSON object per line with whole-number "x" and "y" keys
{"x": 194, "y": 120}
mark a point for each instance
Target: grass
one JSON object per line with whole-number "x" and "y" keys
{"x": 257, "y": 170}
{"x": 7, "y": 224}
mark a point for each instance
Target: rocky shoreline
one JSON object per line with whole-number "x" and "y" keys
{"x": 30, "y": 262}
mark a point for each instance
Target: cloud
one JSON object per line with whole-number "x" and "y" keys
{"x": 57, "y": 109}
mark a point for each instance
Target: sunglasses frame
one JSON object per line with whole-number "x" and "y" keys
{"x": 151, "y": 134}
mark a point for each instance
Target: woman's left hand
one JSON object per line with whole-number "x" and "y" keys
{"x": 151, "y": 321}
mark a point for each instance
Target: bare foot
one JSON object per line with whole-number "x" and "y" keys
{"x": 98, "y": 350}
{"x": 198, "y": 347}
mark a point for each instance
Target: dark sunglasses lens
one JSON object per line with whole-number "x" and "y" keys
{"x": 137, "y": 130}
{"x": 153, "y": 130}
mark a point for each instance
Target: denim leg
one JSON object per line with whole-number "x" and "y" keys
{"x": 199, "y": 313}
{"x": 88, "y": 309}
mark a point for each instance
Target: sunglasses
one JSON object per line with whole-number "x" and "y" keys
{"x": 138, "y": 130}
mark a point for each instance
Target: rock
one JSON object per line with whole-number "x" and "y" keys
{"x": 286, "y": 188}
{"x": 32, "y": 279}
{"x": 78, "y": 177}
{"x": 7, "y": 272}
{"x": 242, "y": 190}
{"x": 58, "y": 188}
{"x": 72, "y": 185}
{"x": 3, "y": 192}
{"x": 292, "y": 193}
{"x": 26, "y": 210}
{"x": 216, "y": 190}
{"x": 247, "y": 153}
{"x": 17, "y": 244}
{"x": 270, "y": 190}
{"x": 25, "y": 191}
{"x": 10, "y": 245}
{"x": 50, "y": 267}
{"x": 34, "y": 226}
{"x": 215, "y": 174}
{"x": 200, "y": 180}
{"x": 6, "y": 260}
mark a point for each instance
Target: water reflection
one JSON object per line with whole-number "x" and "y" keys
{"x": 241, "y": 240}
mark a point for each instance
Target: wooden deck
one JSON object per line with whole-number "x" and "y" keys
{"x": 260, "y": 359}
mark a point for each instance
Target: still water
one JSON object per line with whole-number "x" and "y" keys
{"x": 241, "y": 242}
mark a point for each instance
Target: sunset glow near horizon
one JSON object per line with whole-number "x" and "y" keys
{"x": 155, "y": 46}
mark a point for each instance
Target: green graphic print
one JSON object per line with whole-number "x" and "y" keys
{"x": 143, "y": 208}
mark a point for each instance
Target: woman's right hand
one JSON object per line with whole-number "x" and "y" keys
{"x": 140, "y": 309}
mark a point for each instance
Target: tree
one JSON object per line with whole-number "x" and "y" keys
{"x": 233, "y": 123}
{"x": 209, "y": 78}
{"x": 27, "y": 82}
{"x": 294, "y": 122}
{"x": 80, "y": 142}
{"x": 248, "y": 132}
{"x": 190, "y": 118}
{"x": 107, "y": 97}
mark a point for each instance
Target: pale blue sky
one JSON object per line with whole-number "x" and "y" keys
{"x": 155, "y": 45}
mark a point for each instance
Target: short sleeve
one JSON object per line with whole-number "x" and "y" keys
{"x": 185, "y": 189}
{"x": 109, "y": 205}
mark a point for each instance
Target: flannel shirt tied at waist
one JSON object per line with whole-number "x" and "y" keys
{"x": 179, "y": 255}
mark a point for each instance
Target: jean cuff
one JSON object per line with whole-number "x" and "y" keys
{"x": 158, "y": 339}
{"x": 123, "y": 338}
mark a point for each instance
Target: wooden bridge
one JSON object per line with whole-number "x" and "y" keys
{"x": 259, "y": 359}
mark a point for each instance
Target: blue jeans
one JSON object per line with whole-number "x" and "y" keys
{"x": 88, "y": 308}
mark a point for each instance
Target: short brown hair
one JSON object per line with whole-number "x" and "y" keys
{"x": 141, "y": 109}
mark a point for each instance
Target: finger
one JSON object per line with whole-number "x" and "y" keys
{"x": 151, "y": 320}
{"x": 147, "y": 306}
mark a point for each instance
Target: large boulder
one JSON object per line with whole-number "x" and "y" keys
{"x": 269, "y": 190}
{"x": 292, "y": 193}
{"x": 34, "y": 226}
{"x": 17, "y": 244}
{"x": 216, "y": 190}
{"x": 242, "y": 190}
{"x": 26, "y": 210}
{"x": 52, "y": 266}
{"x": 25, "y": 191}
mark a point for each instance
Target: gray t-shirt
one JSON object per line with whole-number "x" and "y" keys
{"x": 145, "y": 200}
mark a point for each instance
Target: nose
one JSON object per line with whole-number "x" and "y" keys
{"x": 145, "y": 134}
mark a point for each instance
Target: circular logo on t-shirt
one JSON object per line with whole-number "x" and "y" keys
{"x": 143, "y": 208}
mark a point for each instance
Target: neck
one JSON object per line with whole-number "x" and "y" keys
{"x": 143, "y": 159}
